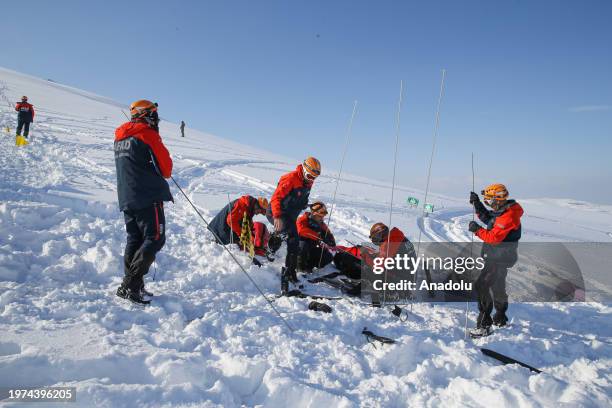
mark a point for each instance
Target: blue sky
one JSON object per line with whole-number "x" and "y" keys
{"x": 528, "y": 88}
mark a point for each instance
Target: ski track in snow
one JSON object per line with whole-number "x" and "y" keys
{"x": 209, "y": 339}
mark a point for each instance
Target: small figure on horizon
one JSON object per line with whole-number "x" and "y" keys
{"x": 182, "y": 128}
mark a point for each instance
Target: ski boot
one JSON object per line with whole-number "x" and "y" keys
{"x": 134, "y": 297}
{"x": 145, "y": 292}
{"x": 479, "y": 332}
{"x": 500, "y": 319}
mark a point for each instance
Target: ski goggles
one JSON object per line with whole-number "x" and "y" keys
{"x": 308, "y": 176}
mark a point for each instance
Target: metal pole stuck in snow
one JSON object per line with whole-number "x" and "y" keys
{"x": 346, "y": 145}
{"x": 467, "y": 304}
{"x": 397, "y": 134}
{"x": 231, "y": 221}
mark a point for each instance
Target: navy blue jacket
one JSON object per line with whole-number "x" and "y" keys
{"x": 142, "y": 162}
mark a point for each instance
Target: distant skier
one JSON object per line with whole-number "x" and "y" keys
{"x": 288, "y": 201}
{"x": 182, "y": 128}
{"x": 503, "y": 226}
{"x": 24, "y": 118}
{"x": 227, "y": 224}
{"x": 143, "y": 163}
{"x": 315, "y": 239}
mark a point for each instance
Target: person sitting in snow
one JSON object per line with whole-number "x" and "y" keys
{"x": 503, "y": 225}
{"x": 24, "y": 117}
{"x": 143, "y": 163}
{"x": 315, "y": 239}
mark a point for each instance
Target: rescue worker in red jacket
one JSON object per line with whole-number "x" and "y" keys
{"x": 501, "y": 236}
{"x": 24, "y": 117}
{"x": 315, "y": 238}
{"x": 288, "y": 201}
{"x": 227, "y": 224}
{"x": 390, "y": 243}
{"x": 143, "y": 163}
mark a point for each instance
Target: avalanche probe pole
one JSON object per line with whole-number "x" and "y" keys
{"x": 467, "y": 303}
{"x": 235, "y": 259}
{"x": 397, "y": 134}
{"x": 346, "y": 145}
{"x": 433, "y": 150}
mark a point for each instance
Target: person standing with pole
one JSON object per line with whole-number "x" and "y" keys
{"x": 143, "y": 163}
{"x": 501, "y": 236}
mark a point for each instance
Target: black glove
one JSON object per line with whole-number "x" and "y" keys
{"x": 474, "y": 227}
{"x": 474, "y": 198}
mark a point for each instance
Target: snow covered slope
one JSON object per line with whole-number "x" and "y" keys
{"x": 209, "y": 339}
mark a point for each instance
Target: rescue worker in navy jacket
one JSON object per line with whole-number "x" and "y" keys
{"x": 24, "y": 117}
{"x": 501, "y": 237}
{"x": 143, "y": 163}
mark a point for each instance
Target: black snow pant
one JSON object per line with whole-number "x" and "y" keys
{"x": 310, "y": 254}
{"x": 292, "y": 238}
{"x": 491, "y": 291}
{"x": 348, "y": 265}
{"x": 146, "y": 235}
{"x": 23, "y": 125}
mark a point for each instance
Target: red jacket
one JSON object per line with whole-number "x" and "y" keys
{"x": 291, "y": 194}
{"x": 26, "y": 111}
{"x": 245, "y": 204}
{"x": 503, "y": 224}
{"x": 308, "y": 228}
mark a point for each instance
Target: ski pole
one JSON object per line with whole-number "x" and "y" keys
{"x": 346, "y": 144}
{"x": 235, "y": 259}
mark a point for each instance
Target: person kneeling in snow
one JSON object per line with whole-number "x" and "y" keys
{"x": 143, "y": 163}
{"x": 227, "y": 224}
{"x": 503, "y": 226}
{"x": 315, "y": 239}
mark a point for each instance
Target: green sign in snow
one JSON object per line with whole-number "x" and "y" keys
{"x": 413, "y": 201}
{"x": 429, "y": 208}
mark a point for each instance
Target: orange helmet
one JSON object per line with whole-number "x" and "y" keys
{"x": 142, "y": 108}
{"x": 262, "y": 202}
{"x": 318, "y": 208}
{"x": 378, "y": 232}
{"x": 495, "y": 192}
{"x": 312, "y": 168}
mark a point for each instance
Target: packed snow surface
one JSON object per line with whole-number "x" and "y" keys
{"x": 209, "y": 338}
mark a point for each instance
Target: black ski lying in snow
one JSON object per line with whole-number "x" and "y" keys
{"x": 299, "y": 294}
{"x": 507, "y": 360}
